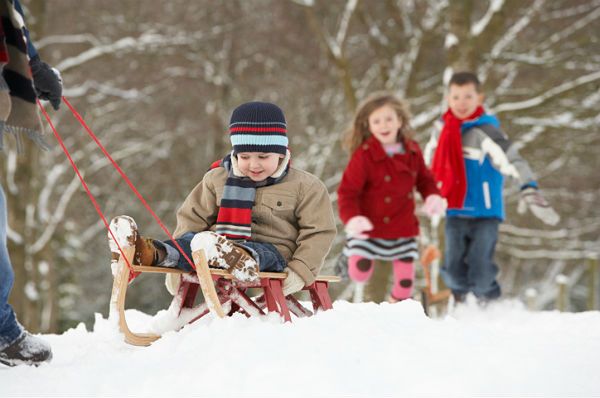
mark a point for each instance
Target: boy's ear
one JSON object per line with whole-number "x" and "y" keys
{"x": 481, "y": 97}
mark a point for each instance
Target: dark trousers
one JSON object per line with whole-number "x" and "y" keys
{"x": 469, "y": 256}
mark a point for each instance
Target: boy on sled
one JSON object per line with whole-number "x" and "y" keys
{"x": 251, "y": 212}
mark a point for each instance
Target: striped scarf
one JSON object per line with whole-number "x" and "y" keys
{"x": 18, "y": 113}
{"x": 234, "y": 219}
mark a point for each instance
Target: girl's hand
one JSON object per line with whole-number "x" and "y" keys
{"x": 357, "y": 226}
{"x": 435, "y": 205}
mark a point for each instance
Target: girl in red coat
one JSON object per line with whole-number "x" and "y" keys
{"x": 376, "y": 196}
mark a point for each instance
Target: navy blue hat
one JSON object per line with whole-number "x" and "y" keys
{"x": 258, "y": 127}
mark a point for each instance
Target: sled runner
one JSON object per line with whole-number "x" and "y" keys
{"x": 428, "y": 296}
{"x": 222, "y": 296}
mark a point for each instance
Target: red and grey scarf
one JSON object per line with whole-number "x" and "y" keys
{"x": 448, "y": 165}
{"x": 234, "y": 219}
{"x": 18, "y": 112}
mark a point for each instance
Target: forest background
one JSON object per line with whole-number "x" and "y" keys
{"x": 157, "y": 82}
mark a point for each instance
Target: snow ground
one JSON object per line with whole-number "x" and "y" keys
{"x": 358, "y": 350}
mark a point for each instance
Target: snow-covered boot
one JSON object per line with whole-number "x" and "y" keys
{"x": 26, "y": 350}
{"x": 126, "y": 232}
{"x": 222, "y": 253}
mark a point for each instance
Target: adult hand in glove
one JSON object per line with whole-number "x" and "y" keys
{"x": 46, "y": 81}
{"x": 357, "y": 226}
{"x": 532, "y": 198}
{"x": 434, "y": 205}
{"x": 292, "y": 283}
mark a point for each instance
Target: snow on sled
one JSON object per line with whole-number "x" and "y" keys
{"x": 222, "y": 295}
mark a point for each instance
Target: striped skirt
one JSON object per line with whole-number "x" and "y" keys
{"x": 383, "y": 249}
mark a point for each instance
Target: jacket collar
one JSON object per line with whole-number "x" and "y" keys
{"x": 375, "y": 149}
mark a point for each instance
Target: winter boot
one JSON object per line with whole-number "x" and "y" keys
{"x": 26, "y": 350}
{"x": 224, "y": 254}
{"x": 126, "y": 232}
{"x": 459, "y": 297}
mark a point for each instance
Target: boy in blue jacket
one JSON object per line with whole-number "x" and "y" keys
{"x": 469, "y": 157}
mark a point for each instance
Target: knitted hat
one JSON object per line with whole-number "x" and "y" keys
{"x": 258, "y": 127}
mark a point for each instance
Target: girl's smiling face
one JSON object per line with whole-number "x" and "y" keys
{"x": 258, "y": 165}
{"x": 384, "y": 124}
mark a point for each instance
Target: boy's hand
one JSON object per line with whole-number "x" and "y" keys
{"x": 434, "y": 205}
{"x": 532, "y": 198}
{"x": 357, "y": 226}
{"x": 292, "y": 283}
{"x": 46, "y": 81}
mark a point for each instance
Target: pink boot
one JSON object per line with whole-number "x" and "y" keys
{"x": 404, "y": 274}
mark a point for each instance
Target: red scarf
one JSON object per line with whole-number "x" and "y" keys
{"x": 448, "y": 165}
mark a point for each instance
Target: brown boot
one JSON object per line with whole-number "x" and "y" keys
{"x": 126, "y": 232}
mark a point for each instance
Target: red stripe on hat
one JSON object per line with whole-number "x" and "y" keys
{"x": 259, "y": 129}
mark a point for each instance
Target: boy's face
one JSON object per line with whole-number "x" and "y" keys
{"x": 384, "y": 124}
{"x": 463, "y": 100}
{"x": 258, "y": 165}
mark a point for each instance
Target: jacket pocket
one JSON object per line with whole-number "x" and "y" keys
{"x": 282, "y": 206}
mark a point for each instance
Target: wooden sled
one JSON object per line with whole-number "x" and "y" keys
{"x": 428, "y": 298}
{"x": 222, "y": 296}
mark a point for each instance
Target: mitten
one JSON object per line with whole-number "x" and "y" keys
{"x": 357, "y": 226}
{"x": 435, "y": 205}
{"x": 46, "y": 81}
{"x": 292, "y": 283}
{"x": 532, "y": 198}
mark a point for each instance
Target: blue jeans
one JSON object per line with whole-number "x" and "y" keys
{"x": 10, "y": 329}
{"x": 265, "y": 254}
{"x": 469, "y": 256}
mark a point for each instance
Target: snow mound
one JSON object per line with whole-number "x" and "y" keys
{"x": 355, "y": 350}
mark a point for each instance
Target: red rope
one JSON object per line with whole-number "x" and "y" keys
{"x": 92, "y": 198}
{"x": 121, "y": 172}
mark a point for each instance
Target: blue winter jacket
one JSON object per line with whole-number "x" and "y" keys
{"x": 489, "y": 157}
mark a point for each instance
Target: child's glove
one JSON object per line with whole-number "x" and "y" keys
{"x": 357, "y": 226}
{"x": 292, "y": 283}
{"x": 532, "y": 198}
{"x": 46, "y": 81}
{"x": 435, "y": 205}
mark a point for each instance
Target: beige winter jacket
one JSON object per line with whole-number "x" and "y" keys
{"x": 295, "y": 215}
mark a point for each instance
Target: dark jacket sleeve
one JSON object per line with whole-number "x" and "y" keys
{"x": 31, "y": 51}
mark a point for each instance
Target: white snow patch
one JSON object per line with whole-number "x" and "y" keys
{"x": 503, "y": 350}
{"x": 31, "y": 291}
{"x": 451, "y": 40}
{"x": 479, "y": 26}
{"x": 122, "y": 229}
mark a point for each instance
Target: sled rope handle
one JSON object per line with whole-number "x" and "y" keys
{"x": 121, "y": 172}
{"x": 87, "y": 190}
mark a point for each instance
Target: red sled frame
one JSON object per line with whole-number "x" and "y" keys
{"x": 222, "y": 296}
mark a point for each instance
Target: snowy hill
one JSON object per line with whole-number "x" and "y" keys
{"x": 361, "y": 350}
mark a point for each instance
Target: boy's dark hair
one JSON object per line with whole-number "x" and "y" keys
{"x": 463, "y": 78}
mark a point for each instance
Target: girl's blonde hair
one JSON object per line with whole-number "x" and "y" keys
{"x": 359, "y": 131}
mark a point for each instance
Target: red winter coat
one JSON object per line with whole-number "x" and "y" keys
{"x": 381, "y": 187}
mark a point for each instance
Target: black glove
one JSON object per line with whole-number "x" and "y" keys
{"x": 46, "y": 81}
